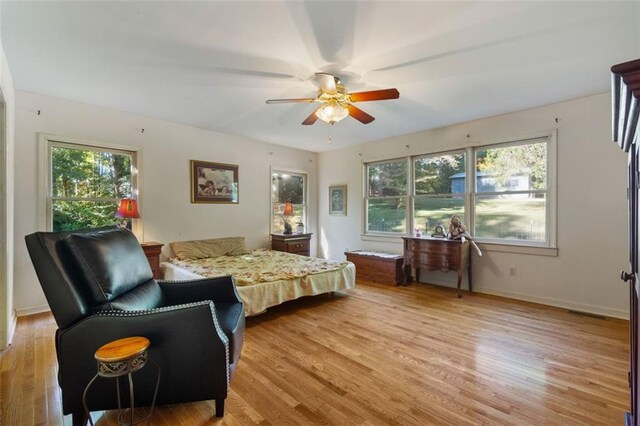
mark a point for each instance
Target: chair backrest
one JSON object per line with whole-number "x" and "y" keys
{"x": 82, "y": 272}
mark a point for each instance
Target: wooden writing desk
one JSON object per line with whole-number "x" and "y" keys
{"x": 437, "y": 254}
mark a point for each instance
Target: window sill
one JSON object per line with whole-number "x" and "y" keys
{"x": 397, "y": 239}
{"x": 518, "y": 249}
{"x": 488, "y": 247}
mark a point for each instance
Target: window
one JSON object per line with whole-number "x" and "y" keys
{"x": 288, "y": 187}
{"x": 511, "y": 192}
{"x": 506, "y": 195}
{"x": 440, "y": 184}
{"x": 85, "y": 185}
{"x": 387, "y": 196}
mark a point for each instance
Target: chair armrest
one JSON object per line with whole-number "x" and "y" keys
{"x": 186, "y": 341}
{"x": 218, "y": 290}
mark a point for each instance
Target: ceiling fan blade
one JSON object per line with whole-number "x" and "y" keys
{"x": 312, "y": 118}
{"x": 327, "y": 82}
{"x": 284, "y": 101}
{"x": 374, "y": 95}
{"x": 359, "y": 114}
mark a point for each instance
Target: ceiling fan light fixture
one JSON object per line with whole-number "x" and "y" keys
{"x": 332, "y": 112}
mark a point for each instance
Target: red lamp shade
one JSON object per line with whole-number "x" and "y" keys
{"x": 128, "y": 209}
{"x": 288, "y": 210}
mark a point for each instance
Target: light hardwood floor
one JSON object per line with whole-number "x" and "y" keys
{"x": 413, "y": 355}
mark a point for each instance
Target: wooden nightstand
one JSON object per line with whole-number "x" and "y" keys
{"x": 152, "y": 251}
{"x": 292, "y": 243}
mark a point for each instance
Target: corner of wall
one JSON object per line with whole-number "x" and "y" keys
{"x": 7, "y": 166}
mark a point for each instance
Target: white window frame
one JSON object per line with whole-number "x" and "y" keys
{"x": 305, "y": 195}
{"x": 408, "y": 198}
{"x": 464, "y": 195}
{"x": 550, "y": 198}
{"x": 546, "y": 248}
{"x": 45, "y": 145}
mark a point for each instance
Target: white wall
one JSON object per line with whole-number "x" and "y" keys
{"x": 591, "y": 193}
{"x": 592, "y": 209}
{"x": 167, "y": 212}
{"x": 7, "y": 318}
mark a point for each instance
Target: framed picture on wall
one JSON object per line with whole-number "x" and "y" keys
{"x": 338, "y": 200}
{"x": 214, "y": 182}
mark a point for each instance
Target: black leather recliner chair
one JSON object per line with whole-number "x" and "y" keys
{"x": 100, "y": 288}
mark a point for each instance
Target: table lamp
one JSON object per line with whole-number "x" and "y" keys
{"x": 288, "y": 212}
{"x": 128, "y": 210}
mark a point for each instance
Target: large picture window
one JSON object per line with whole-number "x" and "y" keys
{"x": 511, "y": 192}
{"x": 504, "y": 196}
{"x": 288, "y": 187}
{"x": 86, "y": 184}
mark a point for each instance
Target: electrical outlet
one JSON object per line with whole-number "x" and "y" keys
{"x": 512, "y": 271}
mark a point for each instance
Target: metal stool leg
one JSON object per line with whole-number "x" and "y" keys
{"x": 84, "y": 399}
{"x": 155, "y": 393}
{"x": 131, "y": 396}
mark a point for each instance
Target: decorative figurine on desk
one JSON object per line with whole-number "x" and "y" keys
{"x": 457, "y": 231}
{"x": 418, "y": 233}
{"x": 439, "y": 232}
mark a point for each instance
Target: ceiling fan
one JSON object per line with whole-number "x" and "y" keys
{"x": 337, "y": 103}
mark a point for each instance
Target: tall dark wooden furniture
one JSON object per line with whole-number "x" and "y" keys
{"x": 437, "y": 254}
{"x": 625, "y": 85}
{"x": 292, "y": 243}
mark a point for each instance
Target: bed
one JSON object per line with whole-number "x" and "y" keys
{"x": 264, "y": 278}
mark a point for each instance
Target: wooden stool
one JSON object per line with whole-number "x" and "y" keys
{"x": 117, "y": 358}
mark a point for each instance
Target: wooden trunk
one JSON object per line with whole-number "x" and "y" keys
{"x": 377, "y": 267}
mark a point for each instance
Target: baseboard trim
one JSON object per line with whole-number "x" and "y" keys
{"x": 23, "y": 312}
{"x": 591, "y": 309}
{"x": 597, "y": 310}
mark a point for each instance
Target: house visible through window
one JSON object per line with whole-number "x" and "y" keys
{"x": 505, "y": 195}
{"x": 511, "y": 192}
{"x": 86, "y": 184}
{"x": 288, "y": 187}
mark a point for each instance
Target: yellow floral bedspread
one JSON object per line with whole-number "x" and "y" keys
{"x": 260, "y": 266}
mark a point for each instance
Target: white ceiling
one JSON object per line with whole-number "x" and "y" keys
{"x": 212, "y": 65}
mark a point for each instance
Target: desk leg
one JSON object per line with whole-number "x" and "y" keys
{"x": 469, "y": 272}
{"x": 406, "y": 269}
{"x": 459, "y": 281}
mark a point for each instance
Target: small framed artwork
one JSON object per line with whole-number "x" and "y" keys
{"x": 214, "y": 182}
{"x": 338, "y": 200}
